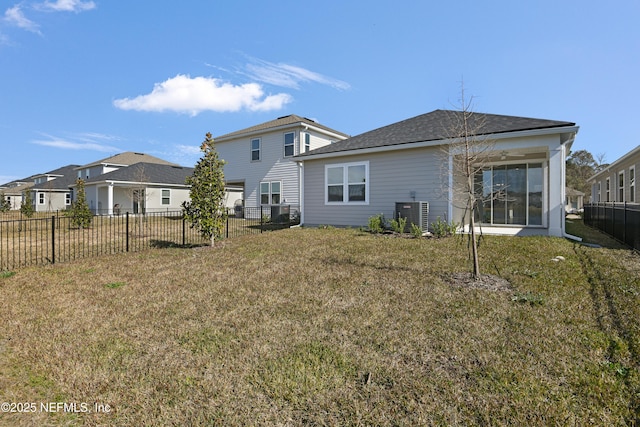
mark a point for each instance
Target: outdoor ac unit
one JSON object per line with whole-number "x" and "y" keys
{"x": 416, "y": 213}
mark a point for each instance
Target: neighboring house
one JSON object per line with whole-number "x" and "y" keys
{"x": 100, "y": 193}
{"x": 522, "y": 185}
{"x": 14, "y": 191}
{"x": 116, "y": 162}
{"x": 617, "y": 182}
{"x": 260, "y": 159}
{"x": 138, "y": 188}
{"x": 52, "y": 190}
{"x": 574, "y": 200}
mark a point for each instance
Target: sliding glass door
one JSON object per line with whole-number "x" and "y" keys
{"x": 510, "y": 194}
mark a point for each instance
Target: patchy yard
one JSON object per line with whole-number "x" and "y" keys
{"x": 329, "y": 327}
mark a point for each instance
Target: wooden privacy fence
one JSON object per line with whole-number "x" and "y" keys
{"x": 56, "y": 239}
{"x": 619, "y": 220}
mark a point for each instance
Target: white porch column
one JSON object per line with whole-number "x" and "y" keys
{"x": 110, "y": 199}
{"x": 556, "y": 190}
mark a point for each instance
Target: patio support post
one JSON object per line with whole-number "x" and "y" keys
{"x": 556, "y": 191}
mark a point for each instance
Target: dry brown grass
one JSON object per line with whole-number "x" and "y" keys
{"x": 326, "y": 327}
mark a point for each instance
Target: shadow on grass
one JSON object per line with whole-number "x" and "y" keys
{"x": 592, "y": 236}
{"x": 165, "y": 244}
{"x": 344, "y": 262}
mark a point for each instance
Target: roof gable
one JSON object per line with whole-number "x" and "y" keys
{"x": 147, "y": 172}
{"x": 434, "y": 126}
{"x": 66, "y": 176}
{"x": 128, "y": 158}
{"x": 284, "y": 121}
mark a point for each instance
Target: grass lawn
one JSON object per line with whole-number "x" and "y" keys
{"x": 326, "y": 327}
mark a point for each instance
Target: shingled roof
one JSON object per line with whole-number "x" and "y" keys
{"x": 434, "y": 126}
{"x": 147, "y": 172}
{"x": 128, "y": 158}
{"x": 65, "y": 178}
{"x": 289, "y": 120}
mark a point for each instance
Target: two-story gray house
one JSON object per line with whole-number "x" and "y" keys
{"x": 260, "y": 159}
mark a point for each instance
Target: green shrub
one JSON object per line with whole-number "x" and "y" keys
{"x": 443, "y": 229}
{"x": 398, "y": 225}
{"x": 376, "y": 223}
{"x": 416, "y": 231}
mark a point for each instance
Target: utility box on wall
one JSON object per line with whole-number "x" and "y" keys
{"x": 416, "y": 213}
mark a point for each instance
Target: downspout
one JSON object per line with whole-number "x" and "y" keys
{"x": 301, "y": 191}
{"x": 450, "y": 191}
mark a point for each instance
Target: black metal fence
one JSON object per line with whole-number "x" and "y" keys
{"x": 619, "y": 220}
{"x": 56, "y": 238}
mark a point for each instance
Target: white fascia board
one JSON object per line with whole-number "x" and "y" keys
{"x": 279, "y": 129}
{"x": 134, "y": 183}
{"x": 437, "y": 142}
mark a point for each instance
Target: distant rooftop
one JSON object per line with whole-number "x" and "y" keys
{"x": 289, "y": 120}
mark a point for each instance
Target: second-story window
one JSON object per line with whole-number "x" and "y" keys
{"x": 307, "y": 142}
{"x": 255, "y": 149}
{"x": 289, "y": 144}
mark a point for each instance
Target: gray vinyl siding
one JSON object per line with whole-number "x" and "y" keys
{"x": 272, "y": 166}
{"x": 612, "y": 172}
{"x": 388, "y": 184}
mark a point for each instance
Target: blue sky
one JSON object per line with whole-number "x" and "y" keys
{"x": 81, "y": 80}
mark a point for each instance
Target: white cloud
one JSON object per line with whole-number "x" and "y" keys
{"x": 69, "y": 5}
{"x": 81, "y": 142}
{"x": 184, "y": 94}
{"x": 189, "y": 150}
{"x": 14, "y": 16}
{"x": 290, "y": 76}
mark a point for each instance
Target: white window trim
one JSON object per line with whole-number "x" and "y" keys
{"x": 259, "y": 150}
{"x": 632, "y": 184}
{"x": 162, "y": 197}
{"x": 284, "y": 144}
{"x": 307, "y": 142}
{"x": 620, "y": 187}
{"x": 607, "y": 188}
{"x": 270, "y": 194}
{"x": 67, "y": 199}
{"x": 41, "y": 199}
{"x": 345, "y": 183}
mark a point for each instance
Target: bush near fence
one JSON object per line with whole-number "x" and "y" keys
{"x": 53, "y": 238}
{"x": 619, "y": 220}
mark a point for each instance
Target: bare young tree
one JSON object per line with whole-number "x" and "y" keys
{"x": 468, "y": 151}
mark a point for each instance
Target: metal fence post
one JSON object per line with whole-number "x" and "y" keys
{"x": 127, "y": 232}
{"x": 184, "y": 224}
{"x": 53, "y": 239}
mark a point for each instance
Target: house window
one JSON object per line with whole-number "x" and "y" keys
{"x": 289, "y": 144}
{"x": 41, "y": 198}
{"x": 608, "y": 189}
{"x": 621, "y": 187}
{"x": 67, "y": 199}
{"x": 270, "y": 193}
{"x": 255, "y": 150}
{"x": 510, "y": 194}
{"x": 307, "y": 142}
{"x": 347, "y": 183}
{"x": 632, "y": 184}
{"x": 166, "y": 197}
{"x": 599, "y": 191}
